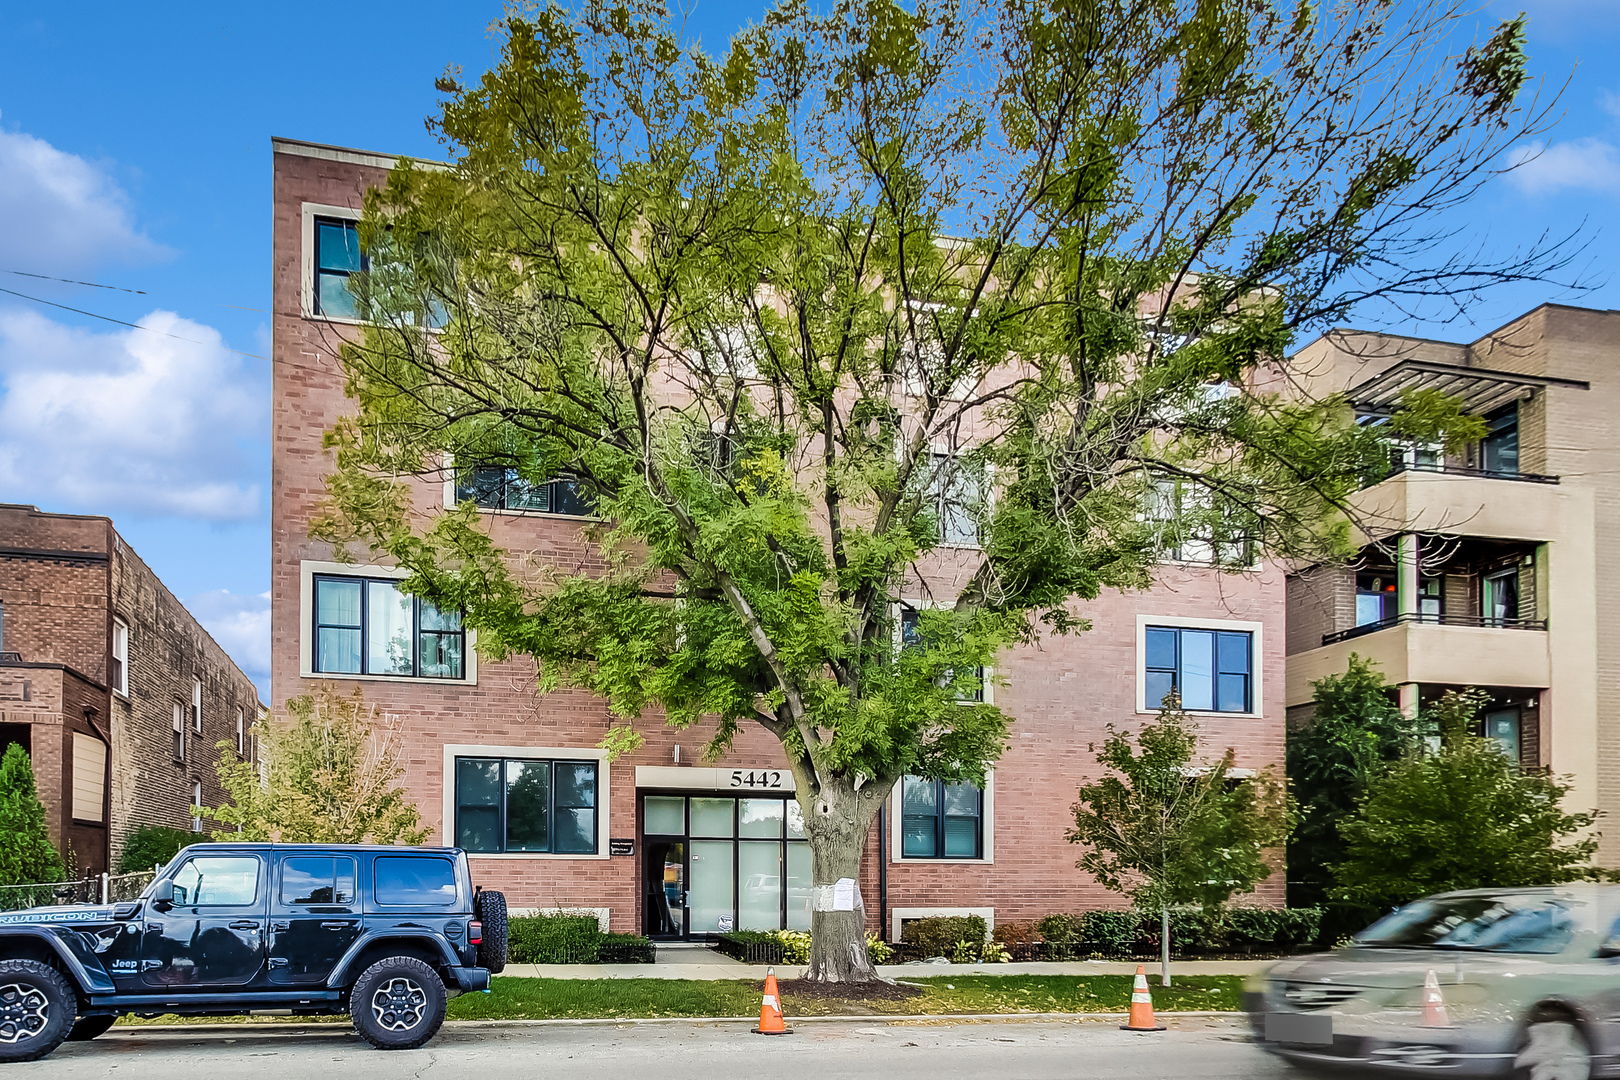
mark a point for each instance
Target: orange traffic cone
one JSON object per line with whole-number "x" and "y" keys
{"x": 1434, "y": 1006}
{"x": 770, "y": 1010}
{"x": 1141, "y": 1006}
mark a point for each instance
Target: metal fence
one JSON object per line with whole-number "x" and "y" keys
{"x": 96, "y": 889}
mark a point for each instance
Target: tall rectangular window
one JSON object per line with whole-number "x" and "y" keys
{"x": 196, "y": 705}
{"x": 955, "y": 496}
{"x": 337, "y": 255}
{"x": 196, "y": 801}
{"x": 940, "y": 820}
{"x": 241, "y": 734}
{"x": 499, "y": 487}
{"x": 1499, "y": 450}
{"x": 911, "y": 637}
{"x": 179, "y": 732}
{"x": 526, "y": 805}
{"x": 120, "y": 657}
{"x": 89, "y": 776}
{"x": 1212, "y": 670}
{"x": 369, "y": 626}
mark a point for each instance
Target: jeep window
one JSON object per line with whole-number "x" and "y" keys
{"x": 415, "y": 881}
{"x": 314, "y": 880}
{"x": 217, "y": 880}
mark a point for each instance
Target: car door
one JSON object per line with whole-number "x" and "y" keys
{"x": 212, "y": 934}
{"x": 315, "y": 917}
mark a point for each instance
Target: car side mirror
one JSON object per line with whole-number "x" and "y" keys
{"x": 162, "y": 893}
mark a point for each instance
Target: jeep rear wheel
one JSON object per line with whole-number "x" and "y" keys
{"x": 37, "y": 1008}
{"x": 490, "y": 908}
{"x": 397, "y": 1003}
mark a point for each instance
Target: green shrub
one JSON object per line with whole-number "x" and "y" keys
{"x": 1115, "y": 933}
{"x": 944, "y": 935}
{"x": 1192, "y": 930}
{"x": 877, "y": 950}
{"x": 553, "y": 939}
{"x": 1061, "y": 928}
{"x": 153, "y": 845}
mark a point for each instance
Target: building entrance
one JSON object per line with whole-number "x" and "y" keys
{"x": 716, "y": 863}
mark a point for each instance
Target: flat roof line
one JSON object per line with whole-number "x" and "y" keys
{"x": 349, "y": 154}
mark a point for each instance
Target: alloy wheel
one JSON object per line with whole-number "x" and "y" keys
{"x": 398, "y": 1004}
{"x": 23, "y": 1012}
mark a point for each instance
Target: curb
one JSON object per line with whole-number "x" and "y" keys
{"x": 288, "y": 1028}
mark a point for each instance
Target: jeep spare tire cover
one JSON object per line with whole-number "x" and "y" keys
{"x": 490, "y": 908}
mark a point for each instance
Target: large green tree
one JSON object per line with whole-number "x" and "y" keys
{"x": 1020, "y": 278}
{"x": 26, "y": 856}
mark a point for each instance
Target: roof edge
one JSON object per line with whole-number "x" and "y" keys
{"x": 347, "y": 154}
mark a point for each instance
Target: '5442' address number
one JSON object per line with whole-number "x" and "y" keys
{"x": 774, "y": 779}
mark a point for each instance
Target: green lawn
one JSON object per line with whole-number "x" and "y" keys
{"x": 944, "y": 995}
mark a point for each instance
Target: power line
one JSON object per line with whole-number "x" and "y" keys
{"x": 116, "y": 288}
{"x": 121, "y": 322}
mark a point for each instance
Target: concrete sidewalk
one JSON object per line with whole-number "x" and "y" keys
{"x": 699, "y": 962}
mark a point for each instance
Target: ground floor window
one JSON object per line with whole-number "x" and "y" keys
{"x": 713, "y": 864}
{"x": 941, "y": 821}
{"x": 526, "y": 805}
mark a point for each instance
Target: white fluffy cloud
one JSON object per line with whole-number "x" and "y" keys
{"x": 241, "y": 625}
{"x": 1578, "y": 165}
{"x": 129, "y": 421}
{"x": 59, "y": 213}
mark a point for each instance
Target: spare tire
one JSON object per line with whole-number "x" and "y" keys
{"x": 490, "y": 908}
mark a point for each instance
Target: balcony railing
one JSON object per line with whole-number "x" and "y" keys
{"x": 1399, "y": 467}
{"x": 1434, "y": 620}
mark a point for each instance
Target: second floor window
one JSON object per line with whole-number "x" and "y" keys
{"x": 337, "y": 255}
{"x": 518, "y": 805}
{"x": 956, "y": 499}
{"x": 941, "y": 821}
{"x": 1499, "y": 450}
{"x": 1212, "y": 670}
{"x": 196, "y": 705}
{"x": 368, "y": 626}
{"x": 496, "y": 487}
{"x": 179, "y": 732}
{"x": 120, "y": 657}
{"x": 241, "y": 733}
{"x": 911, "y": 638}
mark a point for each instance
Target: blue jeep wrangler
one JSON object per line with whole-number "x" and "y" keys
{"x": 385, "y": 934}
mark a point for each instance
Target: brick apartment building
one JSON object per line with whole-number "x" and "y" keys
{"x": 109, "y": 683}
{"x": 1487, "y": 568}
{"x": 655, "y": 841}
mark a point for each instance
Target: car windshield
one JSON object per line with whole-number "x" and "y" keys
{"x": 1513, "y": 924}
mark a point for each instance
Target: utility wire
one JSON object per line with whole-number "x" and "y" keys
{"x": 115, "y": 288}
{"x": 121, "y": 322}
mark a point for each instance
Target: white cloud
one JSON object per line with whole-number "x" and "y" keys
{"x": 60, "y": 213}
{"x": 241, "y": 625}
{"x": 1578, "y": 165}
{"x": 129, "y": 421}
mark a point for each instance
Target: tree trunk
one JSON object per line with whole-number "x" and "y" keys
{"x": 836, "y": 820}
{"x": 1164, "y": 946}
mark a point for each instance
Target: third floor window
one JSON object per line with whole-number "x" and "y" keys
{"x": 496, "y": 487}
{"x": 368, "y": 626}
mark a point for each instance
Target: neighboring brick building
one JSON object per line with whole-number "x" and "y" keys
{"x": 700, "y": 845}
{"x": 99, "y": 667}
{"x": 1488, "y": 568}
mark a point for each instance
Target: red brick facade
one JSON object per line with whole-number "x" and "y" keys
{"x": 64, "y": 580}
{"x": 1062, "y": 693}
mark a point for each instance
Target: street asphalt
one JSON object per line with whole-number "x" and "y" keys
{"x": 1196, "y": 1048}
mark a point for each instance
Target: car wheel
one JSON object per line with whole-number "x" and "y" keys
{"x": 37, "y": 1007}
{"x": 490, "y": 907}
{"x": 88, "y": 1027}
{"x": 397, "y": 1003}
{"x": 1553, "y": 1050}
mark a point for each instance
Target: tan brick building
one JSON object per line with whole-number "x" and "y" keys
{"x": 1488, "y": 568}
{"x": 111, "y": 685}
{"x": 656, "y": 841}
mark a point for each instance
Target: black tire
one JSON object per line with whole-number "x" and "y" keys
{"x": 88, "y": 1027}
{"x": 37, "y": 1008}
{"x": 490, "y": 909}
{"x": 397, "y": 1003}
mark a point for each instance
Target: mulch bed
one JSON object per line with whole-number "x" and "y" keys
{"x": 866, "y": 991}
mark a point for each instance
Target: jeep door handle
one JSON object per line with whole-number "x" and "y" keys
{"x": 244, "y": 924}
{"x": 340, "y": 924}
{"x": 277, "y": 924}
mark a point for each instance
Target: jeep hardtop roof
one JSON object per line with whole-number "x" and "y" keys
{"x": 267, "y": 845}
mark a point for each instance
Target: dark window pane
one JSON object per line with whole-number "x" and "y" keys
{"x": 338, "y": 245}
{"x": 576, "y": 831}
{"x": 961, "y": 800}
{"x": 917, "y": 837}
{"x": 920, "y": 796}
{"x": 567, "y": 497}
{"x": 1233, "y": 693}
{"x": 1233, "y": 653}
{"x": 910, "y": 629}
{"x": 441, "y": 656}
{"x": 415, "y": 881}
{"x": 307, "y": 880}
{"x": 1158, "y": 684}
{"x": 523, "y": 495}
{"x": 1161, "y": 649}
{"x": 338, "y": 651}
{"x": 478, "y": 804}
{"x": 333, "y": 298}
{"x": 478, "y": 828}
{"x": 576, "y": 783}
{"x": 337, "y": 603}
{"x": 482, "y": 485}
{"x": 961, "y": 837}
{"x": 528, "y": 803}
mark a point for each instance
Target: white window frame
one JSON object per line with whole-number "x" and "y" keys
{"x": 196, "y": 800}
{"x": 1257, "y": 642}
{"x": 987, "y": 837}
{"x": 120, "y": 651}
{"x": 447, "y": 822}
{"x": 241, "y": 732}
{"x": 899, "y": 915}
{"x": 306, "y": 623}
{"x": 306, "y": 259}
{"x": 179, "y": 728}
{"x": 196, "y": 705}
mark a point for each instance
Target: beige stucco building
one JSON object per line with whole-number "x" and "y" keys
{"x": 1487, "y": 568}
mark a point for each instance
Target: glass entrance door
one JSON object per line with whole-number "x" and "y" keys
{"x": 665, "y": 899}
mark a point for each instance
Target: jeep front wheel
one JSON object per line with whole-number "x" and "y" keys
{"x": 37, "y": 1009}
{"x": 397, "y": 1003}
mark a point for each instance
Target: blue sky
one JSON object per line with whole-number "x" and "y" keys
{"x": 135, "y": 152}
